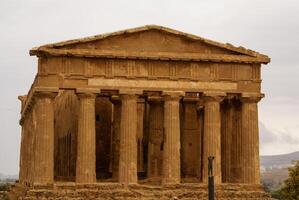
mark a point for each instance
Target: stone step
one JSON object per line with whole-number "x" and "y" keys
{"x": 142, "y": 192}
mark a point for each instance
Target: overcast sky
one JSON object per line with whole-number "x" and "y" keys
{"x": 270, "y": 27}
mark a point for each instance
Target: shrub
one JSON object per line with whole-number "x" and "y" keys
{"x": 3, "y": 187}
{"x": 290, "y": 187}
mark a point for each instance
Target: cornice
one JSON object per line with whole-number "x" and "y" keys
{"x": 172, "y": 56}
{"x": 188, "y": 36}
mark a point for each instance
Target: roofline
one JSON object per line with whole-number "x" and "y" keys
{"x": 49, "y": 52}
{"x": 227, "y": 46}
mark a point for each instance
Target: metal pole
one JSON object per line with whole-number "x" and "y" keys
{"x": 211, "y": 190}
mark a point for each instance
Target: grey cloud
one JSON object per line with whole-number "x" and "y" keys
{"x": 286, "y": 137}
{"x": 270, "y": 27}
{"x": 266, "y": 135}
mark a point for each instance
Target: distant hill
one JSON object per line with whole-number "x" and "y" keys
{"x": 8, "y": 178}
{"x": 278, "y": 161}
{"x": 274, "y": 169}
{"x": 272, "y": 179}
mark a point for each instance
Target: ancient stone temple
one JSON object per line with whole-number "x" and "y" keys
{"x": 135, "y": 114}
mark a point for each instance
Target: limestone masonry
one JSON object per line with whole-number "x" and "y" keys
{"x": 135, "y": 114}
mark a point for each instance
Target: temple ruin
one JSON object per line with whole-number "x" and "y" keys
{"x": 135, "y": 114}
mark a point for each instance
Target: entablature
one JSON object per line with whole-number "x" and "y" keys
{"x": 148, "y": 69}
{"x": 152, "y": 93}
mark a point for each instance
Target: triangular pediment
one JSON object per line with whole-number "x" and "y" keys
{"x": 148, "y": 39}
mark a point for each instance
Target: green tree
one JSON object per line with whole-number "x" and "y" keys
{"x": 290, "y": 187}
{"x": 3, "y": 187}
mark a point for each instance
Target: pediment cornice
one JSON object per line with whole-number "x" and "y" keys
{"x": 150, "y": 55}
{"x": 240, "y": 54}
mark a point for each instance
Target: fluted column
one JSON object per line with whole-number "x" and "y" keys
{"x": 44, "y": 138}
{"x": 212, "y": 137}
{"x": 86, "y": 152}
{"x": 22, "y": 160}
{"x": 22, "y": 164}
{"x": 115, "y": 136}
{"x": 128, "y": 143}
{"x": 172, "y": 145}
{"x": 155, "y": 139}
{"x": 250, "y": 141}
{"x": 226, "y": 140}
{"x": 235, "y": 157}
{"x": 32, "y": 130}
{"x": 140, "y": 134}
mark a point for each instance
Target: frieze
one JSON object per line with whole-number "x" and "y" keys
{"x": 150, "y": 69}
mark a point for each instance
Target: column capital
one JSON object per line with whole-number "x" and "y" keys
{"x": 87, "y": 92}
{"x": 85, "y": 95}
{"x": 128, "y": 96}
{"x": 45, "y": 94}
{"x": 154, "y": 99}
{"x": 172, "y": 98}
{"x": 191, "y": 97}
{"x": 213, "y": 96}
{"x": 252, "y": 99}
{"x": 217, "y": 99}
{"x": 130, "y": 91}
{"x": 172, "y": 95}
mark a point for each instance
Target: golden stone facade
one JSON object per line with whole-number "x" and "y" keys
{"x": 135, "y": 114}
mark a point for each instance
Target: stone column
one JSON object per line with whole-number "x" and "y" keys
{"x": 22, "y": 163}
{"x": 236, "y": 134}
{"x": 115, "y": 136}
{"x": 128, "y": 143}
{"x": 212, "y": 137}
{"x": 172, "y": 145}
{"x": 22, "y": 160}
{"x": 32, "y": 130}
{"x": 44, "y": 138}
{"x": 250, "y": 141}
{"x": 191, "y": 139}
{"x": 155, "y": 138}
{"x": 26, "y": 158}
{"x": 227, "y": 112}
{"x": 140, "y": 134}
{"x": 86, "y": 148}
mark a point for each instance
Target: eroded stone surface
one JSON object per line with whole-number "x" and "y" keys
{"x": 145, "y": 106}
{"x": 144, "y": 192}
